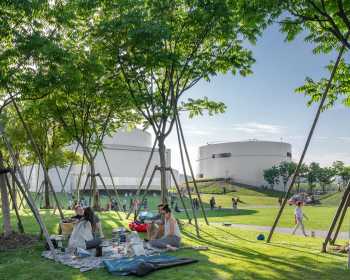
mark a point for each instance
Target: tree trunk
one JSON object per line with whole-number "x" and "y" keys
{"x": 5, "y": 205}
{"x": 162, "y": 160}
{"x": 47, "y": 192}
{"x": 95, "y": 193}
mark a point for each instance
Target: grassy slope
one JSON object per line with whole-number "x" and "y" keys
{"x": 233, "y": 254}
{"x": 332, "y": 199}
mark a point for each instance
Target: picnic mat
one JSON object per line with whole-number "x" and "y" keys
{"x": 143, "y": 265}
{"x": 83, "y": 264}
{"x": 92, "y": 262}
{"x": 154, "y": 259}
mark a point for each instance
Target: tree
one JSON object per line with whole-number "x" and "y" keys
{"x": 49, "y": 135}
{"x": 327, "y": 22}
{"x": 30, "y": 58}
{"x": 328, "y": 27}
{"x": 304, "y": 169}
{"x": 342, "y": 171}
{"x": 286, "y": 170}
{"x": 164, "y": 48}
{"x": 271, "y": 176}
{"x": 325, "y": 177}
{"x": 92, "y": 106}
{"x": 312, "y": 175}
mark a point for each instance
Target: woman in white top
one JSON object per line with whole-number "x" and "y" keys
{"x": 172, "y": 236}
{"x": 299, "y": 215}
{"x": 83, "y": 232}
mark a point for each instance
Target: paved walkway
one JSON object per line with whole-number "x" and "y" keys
{"x": 318, "y": 233}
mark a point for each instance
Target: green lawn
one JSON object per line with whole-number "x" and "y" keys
{"x": 233, "y": 254}
{"x": 320, "y": 217}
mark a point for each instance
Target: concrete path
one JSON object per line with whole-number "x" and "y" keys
{"x": 283, "y": 230}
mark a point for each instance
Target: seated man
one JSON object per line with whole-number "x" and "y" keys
{"x": 172, "y": 237}
{"x": 79, "y": 211}
{"x": 156, "y": 227}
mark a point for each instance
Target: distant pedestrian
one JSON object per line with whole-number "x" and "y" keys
{"x": 177, "y": 208}
{"x": 131, "y": 203}
{"x": 212, "y": 203}
{"x": 234, "y": 203}
{"x": 299, "y": 215}
{"x": 280, "y": 201}
{"x": 124, "y": 205}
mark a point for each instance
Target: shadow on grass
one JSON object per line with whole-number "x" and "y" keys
{"x": 231, "y": 256}
{"x": 293, "y": 264}
{"x": 218, "y": 213}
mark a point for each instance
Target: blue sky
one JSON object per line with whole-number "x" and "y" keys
{"x": 264, "y": 106}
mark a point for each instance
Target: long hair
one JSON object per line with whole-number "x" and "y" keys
{"x": 89, "y": 216}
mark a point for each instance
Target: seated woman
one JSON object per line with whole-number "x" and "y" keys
{"x": 82, "y": 235}
{"x": 172, "y": 236}
{"x": 79, "y": 214}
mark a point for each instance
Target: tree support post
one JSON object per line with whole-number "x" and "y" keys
{"x": 335, "y": 219}
{"x": 19, "y": 221}
{"x": 340, "y": 223}
{"x": 186, "y": 181}
{"x": 113, "y": 184}
{"x": 144, "y": 174}
{"x": 179, "y": 129}
{"x": 296, "y": 173}
{"x": 26, "y": 193}
{"x": 108, "y": 194}
{"x": 180, "y": 195}
{"x": 36, "y": 148}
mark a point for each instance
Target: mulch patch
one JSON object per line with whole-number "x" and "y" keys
{"x": 17, "y": 240}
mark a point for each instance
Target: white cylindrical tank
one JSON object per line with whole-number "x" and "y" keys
{"x": 243, "y": 162}
{"x": 135, "y": 137}
{"x": 127, "y": 154}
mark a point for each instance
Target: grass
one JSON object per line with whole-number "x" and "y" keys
{"x": 218, "y": 188}
{"x": 332, "y": 199}
{"x": 233, "y": 254}
{"x": 320, "y": 217}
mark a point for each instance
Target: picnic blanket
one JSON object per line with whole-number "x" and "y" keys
{"x": 92, "y": 262}
{"x": 143, "y": 265}
{"x": 83, "y": 264}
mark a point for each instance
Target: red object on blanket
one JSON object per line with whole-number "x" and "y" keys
{"x": 137, "y": 226}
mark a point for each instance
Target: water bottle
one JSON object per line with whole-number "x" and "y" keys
{"x": 122, "y": 236}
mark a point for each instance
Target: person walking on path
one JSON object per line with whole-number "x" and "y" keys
{"x": 299, "y": 215}
{"x": 234, "y": 203}
{"x": 280, "y": 201}
{"x": 212, "y": 203}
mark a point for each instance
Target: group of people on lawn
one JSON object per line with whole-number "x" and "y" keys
{"x": 163, "y": 231}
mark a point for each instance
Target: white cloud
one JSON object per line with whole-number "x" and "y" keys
{"x": 258, "y": 128}
{"x": 345, "y": 139}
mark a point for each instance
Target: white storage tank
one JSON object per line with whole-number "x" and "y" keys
{"x": 243, "y": 162}
{"x": 127, "y": 153}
